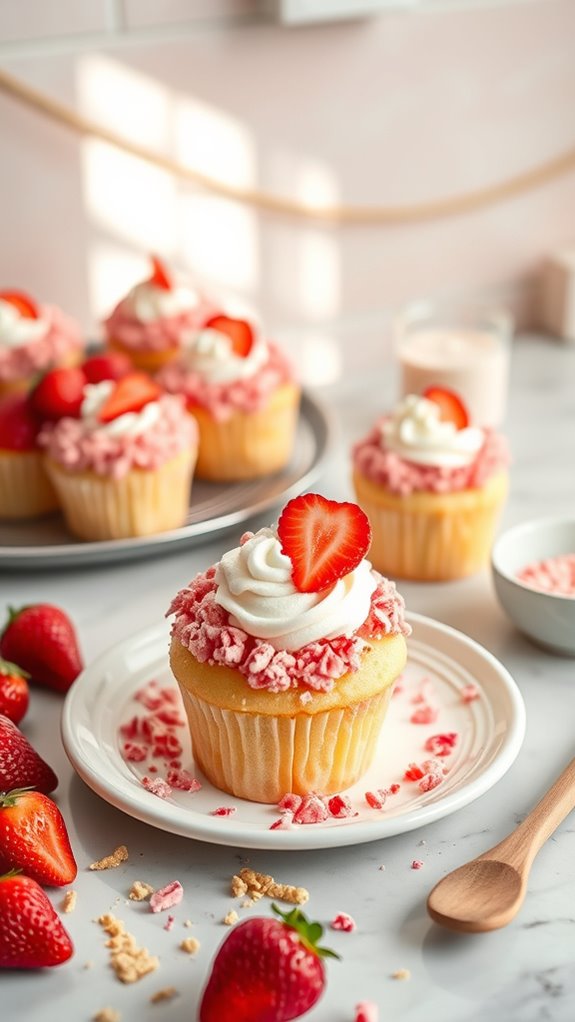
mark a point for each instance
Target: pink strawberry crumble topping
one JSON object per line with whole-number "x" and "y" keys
{"x": 167, "y": 897}
{"x": 342, "y": 921}
{"x": 366, "y": 1011}
{"x": 554, "y": 575}
{"x": 441, "y": 745}
{"x": 157, "y": 786}
{"x": 61, "y": 340}
{"x": 204, "y": 627}
{"x": 417, "y": 864}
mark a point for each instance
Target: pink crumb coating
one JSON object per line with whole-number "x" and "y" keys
{"x": 402, "y": 477}
{"x": 167, "y": 897}
{"x": 221, "y": 400}
{"x": 156, "y": 334}
{"x": 204, "y": 627}
{"x": 343, "y": 921}
{"x": 366, "y": 1011}
{"x": 417, "y": 864}
{"x": 157, "y": 787}
{"x": 554, "y": 575}
{"x": 78, "y": 445}
{"x": 61, "y": 340}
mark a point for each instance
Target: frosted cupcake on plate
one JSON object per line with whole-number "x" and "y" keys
{"x": 149, "y": 323}
{"x": 286, "y": 652}
{"x": 25, "y": 490}
{"x": 432, "y": 486}
{"x": 122, "y": 462}
{"x": 242, "y": 392}
{"x": 33, "y": 338}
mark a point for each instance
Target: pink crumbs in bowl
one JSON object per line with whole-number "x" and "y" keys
{"x": 554, "y": 575}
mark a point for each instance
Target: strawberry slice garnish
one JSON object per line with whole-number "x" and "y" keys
{"x": 238, "y": 330}
{"x": 450, "y": 404}
{"x": 160, "y": 276}
{"x": 59, "y": 394}
{"x": 130, "y": 394}
{"x": 324, "y": 540}
{"x": 33, "y": 838}
{"x": 26, "y": 306}
{"x": 111, "y": 365}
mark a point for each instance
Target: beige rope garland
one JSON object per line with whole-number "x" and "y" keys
{"x": 281, "y": 205}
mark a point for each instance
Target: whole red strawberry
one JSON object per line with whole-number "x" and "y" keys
{"x": 20, "y": 764}
{"x": 42, "y": 639}
{"x": 14, "y": 691}
{"x": 110, "y": 365}
{"x": 18, "y": 424}
{"x": 59, "y": 393}
{"x": 34, "y": 839}
{"x": 31, "y": 935}
{"x": 266, "y": 970}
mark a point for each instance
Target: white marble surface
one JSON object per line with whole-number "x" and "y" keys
{"x": 521, "y": 974}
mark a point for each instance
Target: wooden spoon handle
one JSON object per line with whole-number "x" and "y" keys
{"x": 520, "y": 848}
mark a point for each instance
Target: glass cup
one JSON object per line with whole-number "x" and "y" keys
{"x": 464, "y": 347}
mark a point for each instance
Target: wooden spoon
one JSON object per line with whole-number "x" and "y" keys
{"x": 487, "y": 892}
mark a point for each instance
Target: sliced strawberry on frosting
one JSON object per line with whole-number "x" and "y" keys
{"x": 26, "y": 306}
{"x": 238, "y": 330}
{"x": 130, "y": 394}
{"x": 324, "y": 540}
{"x": 451, "y": 406}
{"x": 160, "y": 276}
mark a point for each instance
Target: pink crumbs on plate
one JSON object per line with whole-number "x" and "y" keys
{"x": 290, "y": 801}
{"x": 340, "y": 807}
{"x": 366, "y": 1011}
{"x": 284, "y": 822}
{"x": 157, "y": 786}
{"x": 311, "y": 810}
{"x": 376, "y": 799}
{"x": 417, "y": 864}
{"x": 424, "y": 715}
{"x": 441, "y": 745}
{"x": 413, "y": 773}
{"x": 343, "y": 921}
{"x": 223, "y": 811}
{"x": 166, "y": 897}
{"x": 169, "y": 924}
{"x": 429, "y": 782}
{"x": 183, "y": 780}
{"x": 469, "y": 693}
{"x": 554, "y": 575}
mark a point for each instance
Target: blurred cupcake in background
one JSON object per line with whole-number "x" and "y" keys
{"x": 432, "y": 486}
{"x": 149, "y": 323}
{"x": 33, "y": 338}
{"x": 25, "y": 490}
{"x": 241, "y": 389}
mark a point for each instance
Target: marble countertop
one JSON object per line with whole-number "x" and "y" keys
{"x": 520, "y": 974}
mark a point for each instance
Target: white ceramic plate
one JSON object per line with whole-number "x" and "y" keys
{"x": 214, "y": 508}
{"x": 490, "y": 729}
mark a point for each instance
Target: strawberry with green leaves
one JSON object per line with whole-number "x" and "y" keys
{"x": 20, "y": 764}
{"x": 42, "y": 640}
{"x": 266, "y": 970}
{"x": 14, "y": 691}
{"x": 31, "y": 934}
{"x": 34, "y": 839}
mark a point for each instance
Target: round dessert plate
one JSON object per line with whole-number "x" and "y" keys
{"x": 214, "y": 508}
{"x": 442, "y": 664}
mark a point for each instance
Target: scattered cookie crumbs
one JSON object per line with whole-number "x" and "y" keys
{"x": 165, "y": 994}
{"x": 401, "y": 974}
{"x": 128, "y": 961}
{"x": 111, "y": 861}
{"x": 139, "y": 891}
{"x": 107, "y": 1015}
{"x": 422, "y": 842}
{"x": 381, "y": 869}
{"x": 262, "y": 883}
{"x": 69, "y": 901}
{"x": 343, "y": 921}
{"x": 190, "y": 945}
{"x": 417, "y": 864}
{"x": 231, "y": 918}
{"x": 366, "y": 1011}
{"x": 88, "y": 965}
{"x": 239, "y": 886}
{"x": 188, "y": 922}
{"x": 167, "y": 897}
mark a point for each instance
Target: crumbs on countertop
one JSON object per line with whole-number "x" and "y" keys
{"x": 231, "y": 918}
{"x": 111, "y": 861}
{"x": 69, "y": 901}
{"x": 165, "y": 994}
{"x": 107, "y": 1015}
{"x": 128, "y": 961}
{"x": 190, "y": 945}
{"x": 401, "y": 974}
{"x": 258, "y": 884}
{"x": 167, "y": 897}
{"x": 139, "y": 891}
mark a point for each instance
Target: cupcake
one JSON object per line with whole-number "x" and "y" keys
{"x": 25, "y": 490}
{"x": 241, "y": 390}
{"x": 150, "y": 323}
{"x": 32, "y": 339}
{"x": 286, "y": 653}
{"x": 122, "y": 465}
{"x": 432, "y": 487}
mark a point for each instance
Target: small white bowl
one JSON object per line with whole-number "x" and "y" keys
{"x": 546, "y": 618}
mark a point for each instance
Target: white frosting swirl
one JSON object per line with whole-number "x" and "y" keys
{"x": 128, "y": 424}
{"x": 210, "y": 354}
{"x": 147, "y": 302}
{"x": 416, "y": 433}
{"x": 16, "y": 329}
{"x": 255, "y": 587}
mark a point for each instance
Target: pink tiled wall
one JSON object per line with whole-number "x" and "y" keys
{"x": 392, "y": 110}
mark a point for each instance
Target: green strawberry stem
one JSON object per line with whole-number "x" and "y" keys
{"x": 12, "y": 670}
{"x": 8, "y": 799}
{"x": 308, "y": 932}
{"x": 10, "y": 874}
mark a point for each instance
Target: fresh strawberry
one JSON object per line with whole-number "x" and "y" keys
{"x": 59, "y": 393}
{"x": 238, "y": 330}
{"x": 34, "y": 839}
{"x": 18, "y": 424}
{"x": 130, "y": 394}
{"x": 20, "y": 764}
{"x": 451, "y": 406}
{"x": 160, "y": 276}
{"x": 324, "y": 540}
{"x": 26, "y": 306}
{"x": 31, "y": 935}
{"x": 14, "y": 692}
{"x": 266, "y": 970}
{"x": 42, "y": 639}
{"x": 111, "y": 365}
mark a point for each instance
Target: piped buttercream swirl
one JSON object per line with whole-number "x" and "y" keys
{"x": 416, "y": 432}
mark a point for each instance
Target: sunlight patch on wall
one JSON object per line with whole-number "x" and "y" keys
{"x": 219, "y": 241}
